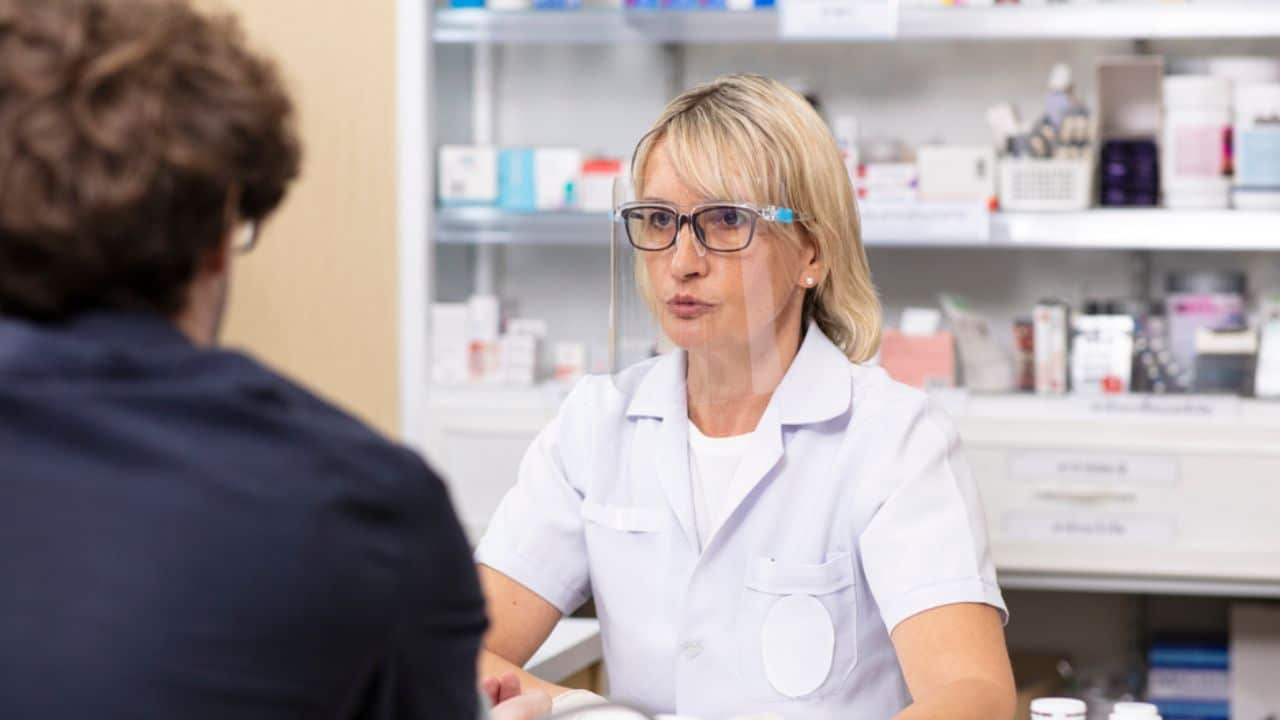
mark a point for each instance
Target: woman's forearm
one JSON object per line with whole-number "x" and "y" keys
{"x": 968, "y": 699}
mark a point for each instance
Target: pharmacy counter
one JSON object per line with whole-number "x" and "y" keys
{"x": 573, "y": 646}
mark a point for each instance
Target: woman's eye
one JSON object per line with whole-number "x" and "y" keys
{"x": 726, "y": 218}
{"x": 660, "y": 219}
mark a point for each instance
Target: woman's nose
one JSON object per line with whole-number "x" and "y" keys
{"x": 689, "y": 259}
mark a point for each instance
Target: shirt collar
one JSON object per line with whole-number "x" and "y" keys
{"x": 817, "y": 387}
{"x": 86, "y": 339}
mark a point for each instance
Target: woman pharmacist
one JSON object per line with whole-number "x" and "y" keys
{"x": 764, "y": 522}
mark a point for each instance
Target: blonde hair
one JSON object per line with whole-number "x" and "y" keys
{"x": 747, "y": 137}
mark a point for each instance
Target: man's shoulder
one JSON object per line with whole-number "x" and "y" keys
{"x": 341, "y": 439}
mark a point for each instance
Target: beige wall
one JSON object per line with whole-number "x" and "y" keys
{"x": 317, "y": 299}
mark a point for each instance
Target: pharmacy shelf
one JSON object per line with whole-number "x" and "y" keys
{"x": 1154, "y": 229}
{"x": 1188, "y": 587}
{"x": 1154, "y": 19}
{"x": 491, "y": 226}
{"x": 604, "y": 27}
{"x": 1172, "y": 449}
{"x": 1120, "y": 20}
{"x": 1218, "y": 230}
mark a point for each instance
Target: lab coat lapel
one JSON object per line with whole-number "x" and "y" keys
{"x": 673, "y": 461}
{"x": 661, "y": 397}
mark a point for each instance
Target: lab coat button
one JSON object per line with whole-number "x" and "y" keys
{"x": 691, "y": 649}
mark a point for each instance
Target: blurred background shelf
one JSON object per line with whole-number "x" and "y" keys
{"x": 1120, "y": 20}
{"x": 1195, "y": 587}
{"x": 491, "y": 226}
{"x": 1216, "y": 230}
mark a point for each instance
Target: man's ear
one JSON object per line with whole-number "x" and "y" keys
{"x": 218, "y": 257}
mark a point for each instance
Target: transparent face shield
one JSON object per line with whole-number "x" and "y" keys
{"x": 713, "y": 273}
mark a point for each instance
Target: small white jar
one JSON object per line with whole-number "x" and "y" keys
{"x": 1058, "y": 709}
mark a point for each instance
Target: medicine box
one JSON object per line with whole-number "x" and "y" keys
{"x": 1130, "y": 97}
{"x": 556, "y": 173}
{"x": 468, "y": 175}
{"x": 956, "y": 173}
{"x": 517, "y": 188}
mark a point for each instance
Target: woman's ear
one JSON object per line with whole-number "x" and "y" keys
{"x": 811, "y": 256}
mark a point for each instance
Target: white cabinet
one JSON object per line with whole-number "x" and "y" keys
{"x": 1137, "y": 495}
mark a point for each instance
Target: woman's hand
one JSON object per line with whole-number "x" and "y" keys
{"x": 511, "y": 703}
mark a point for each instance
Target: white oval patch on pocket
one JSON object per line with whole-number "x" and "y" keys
{"x": 798, "y": 645}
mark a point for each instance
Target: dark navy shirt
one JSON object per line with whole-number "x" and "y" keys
{"x": 184, "y": 534}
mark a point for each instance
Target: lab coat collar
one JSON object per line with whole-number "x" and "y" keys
{"x": 816, "y": 388}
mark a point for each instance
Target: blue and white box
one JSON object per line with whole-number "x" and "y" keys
{"x": 1189, "y": 681}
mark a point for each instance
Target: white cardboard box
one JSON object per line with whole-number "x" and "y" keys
{"x": 1255, "y": 661}
{"x": 468, "y": 175}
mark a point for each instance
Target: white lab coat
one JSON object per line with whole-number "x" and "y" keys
{"x": 858, "y": 510}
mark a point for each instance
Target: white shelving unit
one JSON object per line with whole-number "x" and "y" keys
{"x": 1150, "y": 20}
{"x": 1103, "y": 229}
{"x": 480, "y": 433}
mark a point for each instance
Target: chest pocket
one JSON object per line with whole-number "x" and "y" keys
{"x": 797, "y": 633}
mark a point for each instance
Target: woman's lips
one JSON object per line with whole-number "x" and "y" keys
{"x": 688, "y": 308}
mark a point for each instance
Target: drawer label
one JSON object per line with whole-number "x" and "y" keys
{"x": 1089, "y": 527}
{"x": 1219, "y": 409}
{"x": 1094, "y": 467}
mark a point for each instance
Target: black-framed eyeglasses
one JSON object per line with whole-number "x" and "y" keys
{"x": 719, "y": 227}
{"x": 246, "y": 238}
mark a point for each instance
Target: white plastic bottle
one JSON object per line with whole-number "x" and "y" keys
{"x": 1058, "y": 709}
{"x": 1196, "y": 158}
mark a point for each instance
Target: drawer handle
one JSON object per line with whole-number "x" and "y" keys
{"x": 1086, "y": 497}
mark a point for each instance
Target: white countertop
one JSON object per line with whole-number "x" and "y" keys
{"x": 573, "y": 646}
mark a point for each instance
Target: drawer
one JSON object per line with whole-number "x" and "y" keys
{"x": 1089, "y": 509}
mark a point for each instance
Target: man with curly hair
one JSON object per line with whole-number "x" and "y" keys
{"x": 184, "y": 533}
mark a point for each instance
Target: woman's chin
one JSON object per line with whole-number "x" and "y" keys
{"x": 691, "y": 334}
{"x": 684, "y": 333}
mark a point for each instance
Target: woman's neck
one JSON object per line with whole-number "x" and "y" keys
{"x": 730, "y": 388}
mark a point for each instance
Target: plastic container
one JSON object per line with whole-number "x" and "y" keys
{"x": 1135, "y": 711}
{"x": 1045, "y": 185}
{"x": 1058, "y": 709}
{"x": 1257, "y": 147}
{"x": 1200, "y": 299}
{"x": 1196, "y": 162}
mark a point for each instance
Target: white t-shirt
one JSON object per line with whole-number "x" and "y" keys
{"x": 713, "y": 467}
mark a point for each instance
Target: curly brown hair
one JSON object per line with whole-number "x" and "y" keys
{"x": 128, "y": 128}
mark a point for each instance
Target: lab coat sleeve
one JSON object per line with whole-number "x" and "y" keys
{"x": 536, "y": 536}
{"x": 926, "y": 546}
